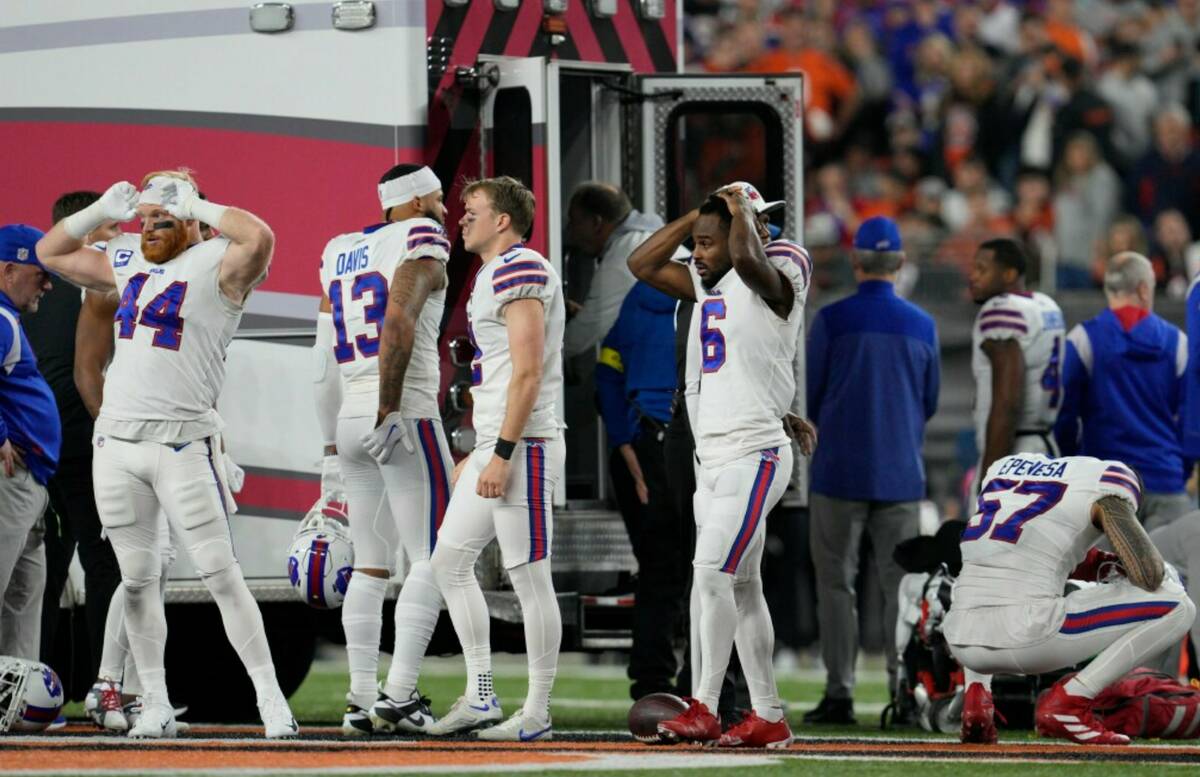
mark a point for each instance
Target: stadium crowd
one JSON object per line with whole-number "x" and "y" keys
{"x": 1067, "y": 124}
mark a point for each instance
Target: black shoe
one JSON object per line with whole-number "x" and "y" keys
{"x": 834, "y": 711}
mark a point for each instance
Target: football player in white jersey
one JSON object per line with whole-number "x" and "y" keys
{"x": 1016, "y": 357}
{"x": 750, "y": 305}
{"x": 504, "y": 489}
{"x": 384, "y": 293}
{"x": 1037, "y": 521}
{"x": 181, "y": 301}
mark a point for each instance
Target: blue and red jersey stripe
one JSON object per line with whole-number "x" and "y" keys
{"x": 755, "y": 508}
{"x": 1114, "y": 615}
{"x": 535, "y": 483}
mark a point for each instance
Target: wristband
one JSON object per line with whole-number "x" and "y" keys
{"x": 208, "y": 212}
{"x": 505, "y": 448}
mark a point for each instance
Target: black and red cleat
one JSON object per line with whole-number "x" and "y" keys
{"x": 695, "y": 724}
{"x": 754, "y": 731}
{"x": 978, "y": 716}
{"x": 1063, "y": 716}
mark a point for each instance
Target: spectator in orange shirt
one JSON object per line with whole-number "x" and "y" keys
{"x": 1066, "y": 35}
{"x": 830, "y": 93}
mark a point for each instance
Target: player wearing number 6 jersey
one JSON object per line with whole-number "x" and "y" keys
{"x": 385, "y": 289}
{"x": 1035, "y": 526}
{"x": 1016, "y": 356}
{"x": 750, "y": 305}
{"x": 180, "y": 302}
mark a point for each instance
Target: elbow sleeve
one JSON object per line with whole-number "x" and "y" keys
{"x": 327, "y": 382}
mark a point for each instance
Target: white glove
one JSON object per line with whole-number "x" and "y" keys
{"x": 235, "y": 476}
{"x": 119, "y": 203}
{"x": 182, "y": 201}
{"x": 381, "y": 440}
{"x": 331, "y": 475}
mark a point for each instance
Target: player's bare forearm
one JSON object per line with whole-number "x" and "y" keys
{"x": 651, "y": 261}
{"x": 525, "y": 320}
{"x": 411, "y": 287}
{"x": 246, "y": 261}
{"x": 94, "y": 347}
{"x": 67, "y": 256}
{"x": 1142, "y": 562}
{"x": 1008, "y": 379}
{"x": 749, "y": 259}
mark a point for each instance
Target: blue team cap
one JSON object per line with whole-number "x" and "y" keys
{"x": 18, "y": 244}
{"x": 878, "y": 234}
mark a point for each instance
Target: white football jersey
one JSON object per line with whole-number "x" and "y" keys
{"x": 1036, "y": 323}
{"x": 518, "y": 273}
{"x": 1032, "y": 526}
{"x": 172, "y": 328}
{"x": 747, "y": 373}
{"x": 356, "y": 271}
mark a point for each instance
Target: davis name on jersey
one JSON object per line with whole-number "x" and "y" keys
{"x": 1032, "y": 526}
{"x": 356, "y": 271}
{"x": 518, "y": 273}
{"x": 747, "y": 375}
{"x": 172, "y": 328}
{"x": 1036, "y": 323}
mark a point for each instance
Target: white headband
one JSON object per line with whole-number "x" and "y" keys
{"x": 400, "y": 190}
{"x": 152, "y": 192}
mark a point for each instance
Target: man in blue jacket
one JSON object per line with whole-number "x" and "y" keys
{"x": 30, "y": 437}
{"x": 1123, "y": 389}
{"x": 635, "y": 383}
{"x": 873, "y": 378}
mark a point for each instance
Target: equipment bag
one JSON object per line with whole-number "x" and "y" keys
{"x": 1149, "y": 704}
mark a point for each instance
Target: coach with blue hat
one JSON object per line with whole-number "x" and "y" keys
{"x": 30, "y": 438}
{"x": 873, "y": 377}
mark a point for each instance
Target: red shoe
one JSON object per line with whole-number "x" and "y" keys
{"x": 695, "y": 724}
{"x": 753, "y": 731}
{"x": 1064, "y": 716}
{"x": 978, "y": 716}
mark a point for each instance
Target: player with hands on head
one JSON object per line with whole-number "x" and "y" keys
{"x": 516, "y": 318}
{"x": 377, "y": 392}
{"x": 1037, "y": 521}
{"x": 750, "y": 294}
{"x": 157, "y": 439}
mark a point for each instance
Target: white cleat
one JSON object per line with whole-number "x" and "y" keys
{"x": 466, "y": 715}
{"x": 156, "y": 721}
{"x": 103, "y": 705}
{"x": 278, "y": 722}
{"x": 410, "y": 717}
{"x": 519, "y": 728}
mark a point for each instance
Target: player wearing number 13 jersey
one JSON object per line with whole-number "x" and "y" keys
{"x": 385, "y": 292}
{"x": 1036, "y": 523}
{"x": 750, "y": 298}
{"x": 1016, "y": 357}
{"x": 180, "y": 302}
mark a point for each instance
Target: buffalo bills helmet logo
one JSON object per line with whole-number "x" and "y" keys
{"x": 294, "y": 570}
{"x": 51, "y": 681}
{"x": 342, "y": 583}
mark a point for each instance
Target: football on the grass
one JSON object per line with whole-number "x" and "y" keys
{"x": 648, "y": 711}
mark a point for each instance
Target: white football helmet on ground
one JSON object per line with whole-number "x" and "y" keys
{"x": 321, "y": 557}
{"x": 31, "y": 695}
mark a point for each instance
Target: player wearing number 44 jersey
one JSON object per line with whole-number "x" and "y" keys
{"x": 180, "y": 303}
{"x": 1036, "y": 523}
{"x": 750, "y": 297}
{"x": 385, "y": 291}
{"x": 504, "y": 488}
{"x": 1016, "y": 356}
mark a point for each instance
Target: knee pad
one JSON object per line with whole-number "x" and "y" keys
{"x": 712, "y": 582}
{"x": 421, "y": 579}
{"x": 223, "y": 582}
{"x": 212, "y": 556}
{"x": 452, "y": 567}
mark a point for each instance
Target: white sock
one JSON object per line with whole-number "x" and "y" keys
{"x": 718, "y": 614}
{"x": 971, "y": 677}
{"x": 244, "y": 626}
{"x": 132, "y": 682}
{"x": 116, "y": 643}
{"x": 454, "y": 569}
{"x": 146, "y": 629}
{"x": 362, "y": 622}
{"x": 417, "y": 611}
{"x": 1076, "y": 688}
{"x": 543, "y": 632}
{"x": 755, "y": 639}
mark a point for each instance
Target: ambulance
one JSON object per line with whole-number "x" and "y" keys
{"x": 294, "y": 110}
